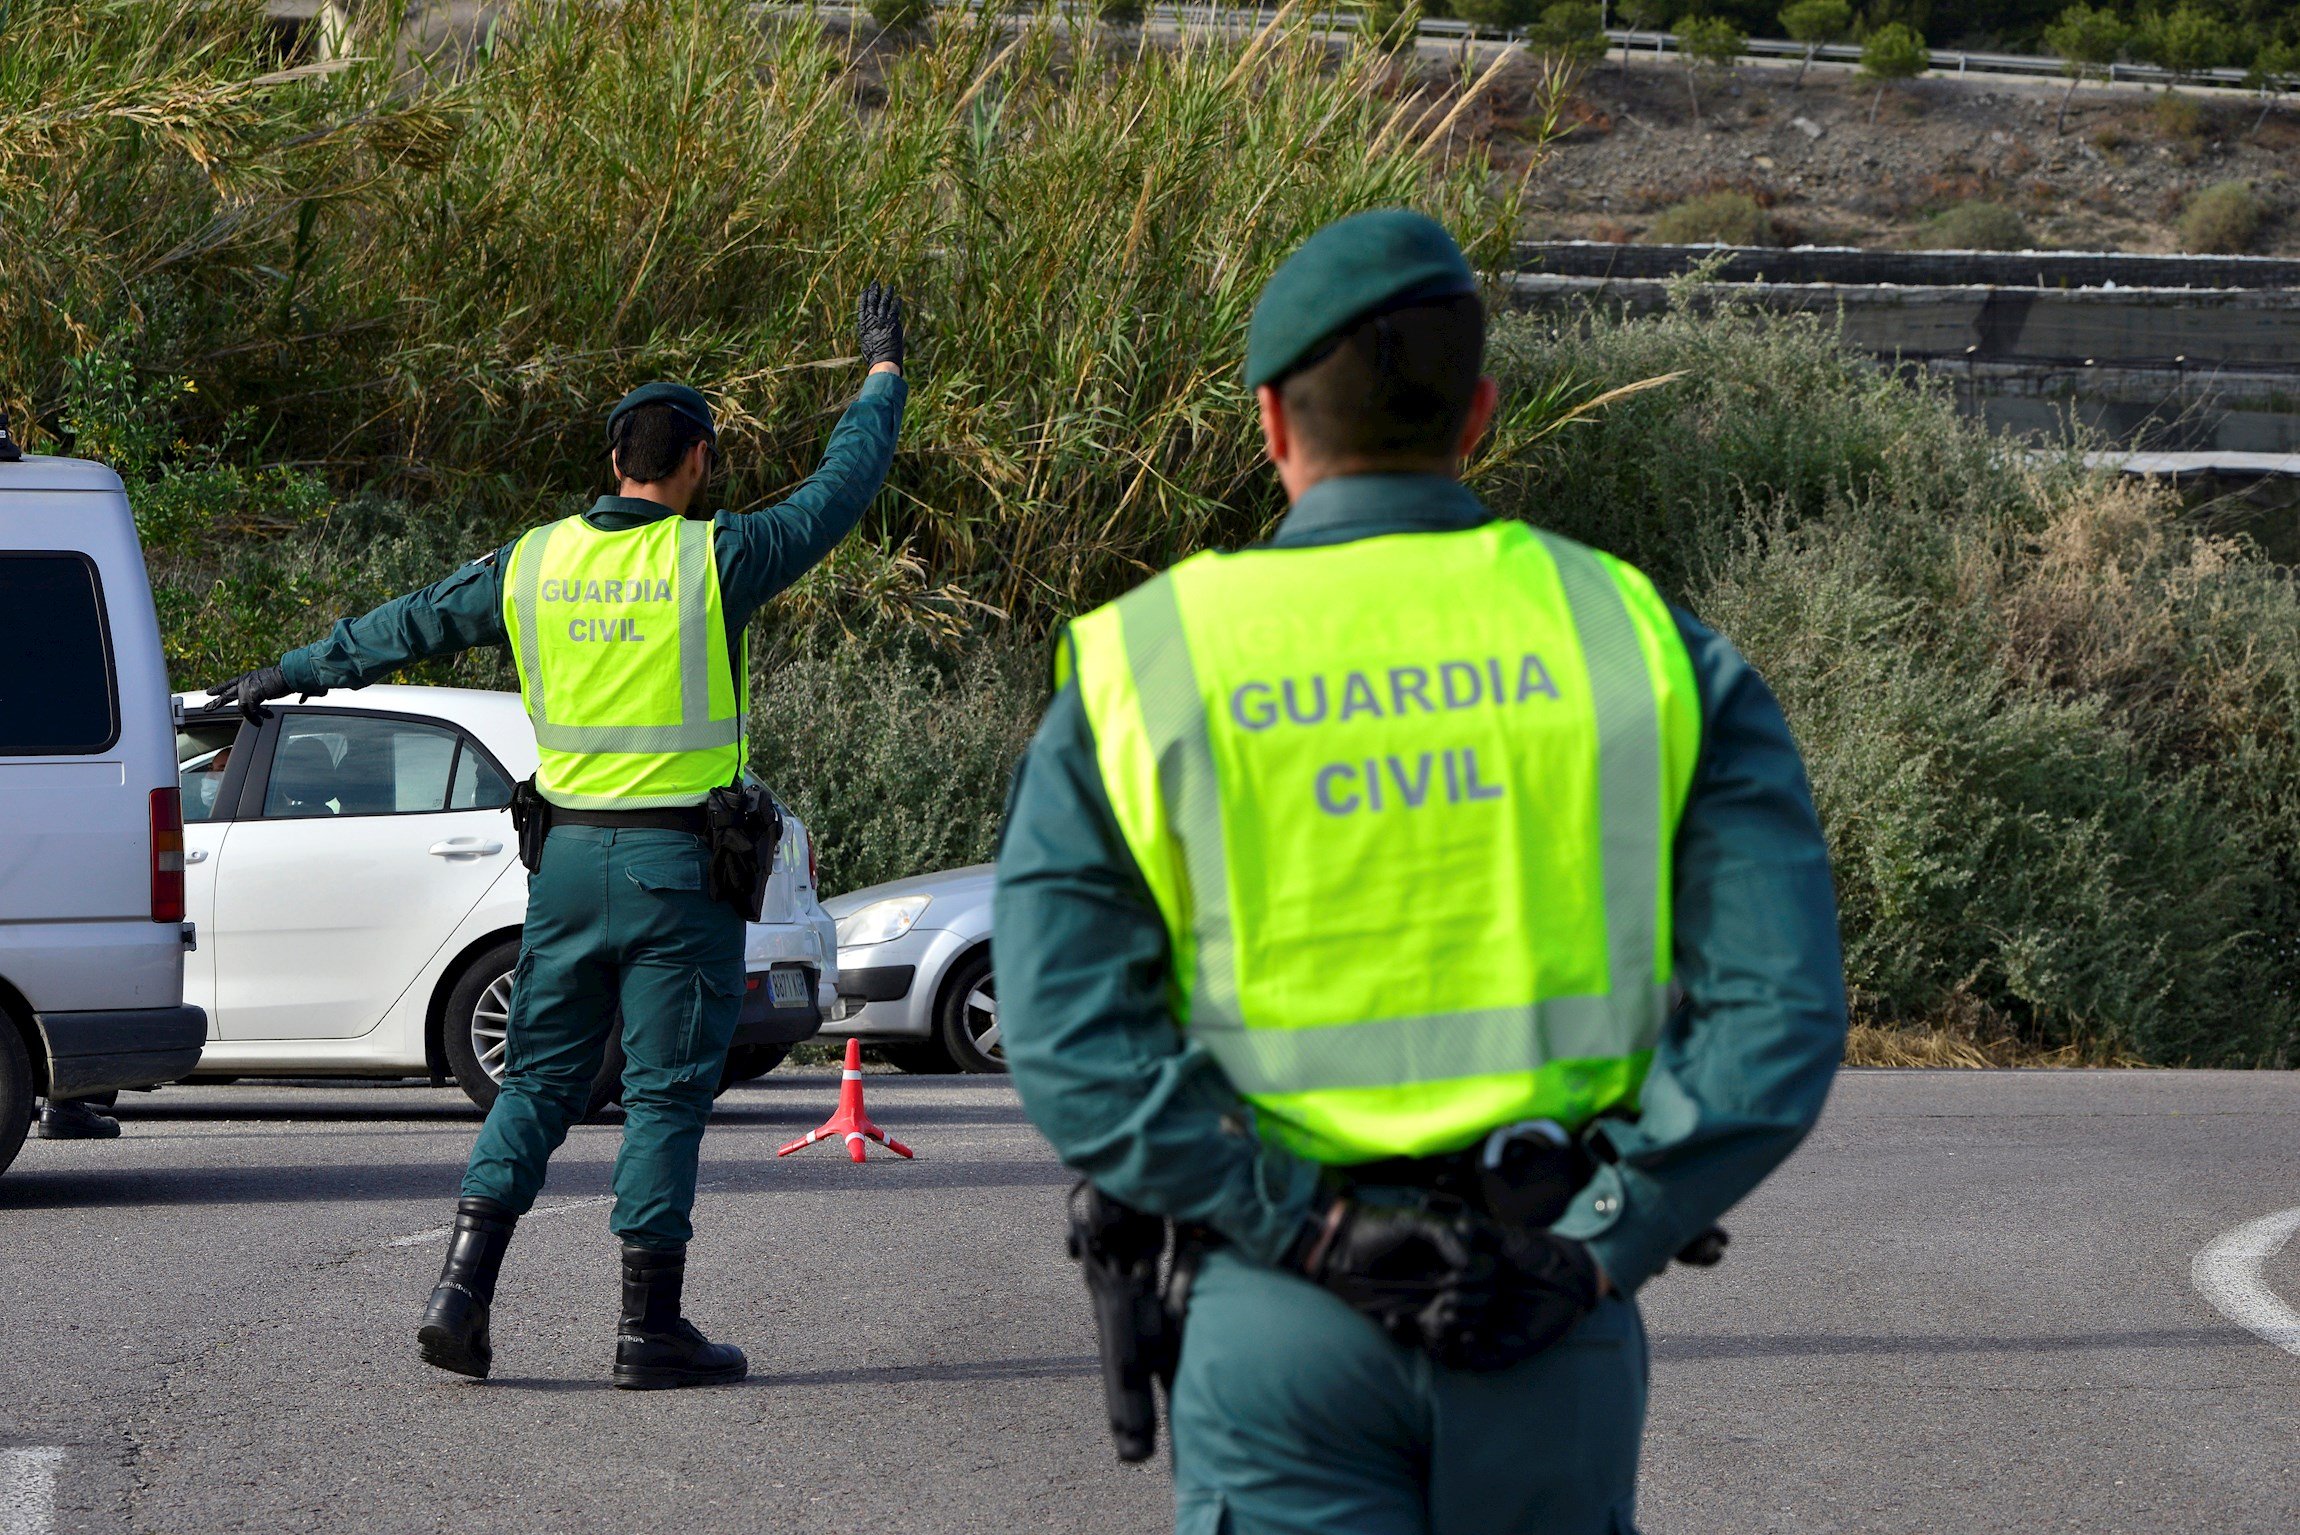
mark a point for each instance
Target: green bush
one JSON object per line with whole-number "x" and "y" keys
{"x": 1118, "y": 13}
{"x": 1974, "y": 227}
{"x": 2221, "y": 220}
{"x": 1711, "y": 40}
{"x": 2177, "y": 116}
{"x": 901, "y": 15}
{"x": 1725, "y": 218}
{"x": 1390, "y": 25}
{"x": 2052, "y": 728}
{"x": 1500, "y": 15}
{"x": 1571, "y": 29}
{"x": 896, "y": 755}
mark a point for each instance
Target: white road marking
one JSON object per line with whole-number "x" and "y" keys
{"x": 28, "y": 1491}
{"x": 2228, "y": 1274}
{"x": 442, "y": 1233}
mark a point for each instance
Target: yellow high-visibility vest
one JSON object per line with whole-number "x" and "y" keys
{"x": 621, "y": 644}
{"x": 1406, "y": 805}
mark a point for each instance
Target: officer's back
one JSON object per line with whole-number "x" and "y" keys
{"x": 1339, "y": 907}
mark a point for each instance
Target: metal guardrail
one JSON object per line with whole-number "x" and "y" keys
{"x": 1945, "y": 61}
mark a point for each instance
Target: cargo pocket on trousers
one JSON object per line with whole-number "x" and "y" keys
{"x": 702, "y": 1049}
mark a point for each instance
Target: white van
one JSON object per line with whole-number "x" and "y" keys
{"x": 92, "y": 929}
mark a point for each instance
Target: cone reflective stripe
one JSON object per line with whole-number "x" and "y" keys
{"x": 850, "y": 1123}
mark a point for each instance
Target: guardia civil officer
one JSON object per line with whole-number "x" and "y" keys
{"x": 1341, "y": 900}
{"x": 627, "y": 624}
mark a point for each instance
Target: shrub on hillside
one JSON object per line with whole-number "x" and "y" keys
{"x": 2052, "y": 730}
{"x": 1723, "y": 218}
{"x": 901, "y": 15}
{"x": 2176, "y": 116}
{"x": 2221, "y": 220}
{"x": 1974, "y": 227}
{"x": 895, "y": 754}
{"x": 1390, "y": 25}
{"x": 1569, "y": 29}
{"x": 1500, "y": 15}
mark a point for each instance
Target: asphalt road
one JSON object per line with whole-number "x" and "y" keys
{"x": 1966, "y": 1305}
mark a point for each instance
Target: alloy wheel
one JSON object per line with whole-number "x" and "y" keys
{"x": 491, "y": 1025}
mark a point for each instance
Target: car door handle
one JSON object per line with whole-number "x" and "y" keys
{"x": 195, "y": 855}
{"x": 465, "y": 847}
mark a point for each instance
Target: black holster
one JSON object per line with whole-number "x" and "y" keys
{"x": 531, "y": 819}
{"x": 744, "y": 828}
{"x": 1139, "y": 1336}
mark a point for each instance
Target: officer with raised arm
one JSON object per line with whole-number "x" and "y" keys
{"x": 1433, "y": 923}
{"x": 628, "y": 627}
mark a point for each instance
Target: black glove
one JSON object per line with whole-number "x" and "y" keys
{"x": 1436, "y": 1276}
{"x": 1549, "y": 1285}
{"x": 250, "y": 690}
{"x": 879, "y": 324}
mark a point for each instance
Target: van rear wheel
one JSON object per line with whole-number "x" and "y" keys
{"x": 15, "y": 1091}
{"x": 476, "y": 1024}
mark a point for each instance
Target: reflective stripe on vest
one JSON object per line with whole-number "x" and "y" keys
{"x": 1406, "y": 805}
{"x": 621, "y": 644}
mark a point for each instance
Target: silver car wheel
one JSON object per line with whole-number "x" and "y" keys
{"x": 981, "y": 1006}
{"x": 491, "y": 1025}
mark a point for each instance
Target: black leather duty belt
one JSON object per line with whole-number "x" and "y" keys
{"x": 686, "y": 818}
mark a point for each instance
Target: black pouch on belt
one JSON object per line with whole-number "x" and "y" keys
{"x": 531, "y": 819}
{"x": 745, "y": 826}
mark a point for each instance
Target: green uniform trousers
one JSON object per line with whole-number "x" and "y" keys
{"x": 616, "y": 918}
{"x": 1294, "y": 1415}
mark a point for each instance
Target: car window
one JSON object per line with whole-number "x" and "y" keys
{"x": 56, "y": 692}
{"x": 338, "y": 764}
{"x": 478, "y": 785}
{"x": 203, "y": 756}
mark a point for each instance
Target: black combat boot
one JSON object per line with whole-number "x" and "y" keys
{"x": 73, "y": 1120}
{"x": 454, "y": 1330}
{"x": 656, "y": 1348}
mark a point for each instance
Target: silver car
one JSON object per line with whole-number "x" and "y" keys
{"x": 914, "y": 971}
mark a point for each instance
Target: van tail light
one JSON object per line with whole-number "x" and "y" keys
{"x": 167, "y": 855}
{"x": 812, "y": 883}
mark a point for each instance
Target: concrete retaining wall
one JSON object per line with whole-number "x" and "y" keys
{"x": 1927, "y": 269}
{"x": 2071, "y": 327}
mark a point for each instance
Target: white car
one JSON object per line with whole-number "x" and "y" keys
{"x": 351, "y": 865}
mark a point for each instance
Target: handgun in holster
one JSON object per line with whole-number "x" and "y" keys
{"x": 531, "y": 821}
{"x": 744, "y": 828}
{"x": 1139, "y": 1339}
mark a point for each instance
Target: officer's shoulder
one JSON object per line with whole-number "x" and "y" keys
{"x": 486, "y": 561}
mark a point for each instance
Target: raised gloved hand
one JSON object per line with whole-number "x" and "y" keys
{"x": 879, "y": 326}
{"x": 250, "y": 690}
{"x": 1439, "y": 1277}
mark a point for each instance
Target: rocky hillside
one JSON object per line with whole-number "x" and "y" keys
{"x": 2121, "y": 177}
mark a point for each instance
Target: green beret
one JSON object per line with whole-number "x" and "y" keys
{"x": 686, "y": 402}
{"x": 1363, "y": 265}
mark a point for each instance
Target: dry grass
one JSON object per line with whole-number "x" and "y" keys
{"x": 1950, "y": 1047}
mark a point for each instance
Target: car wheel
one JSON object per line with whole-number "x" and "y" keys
{"x": 746, "y": 1063}
{"x": 966, "y": 1020}
{"x": 919, "y": 1057}
{"x": 15, "y": 1091}
{"x": 476, "y": 1023}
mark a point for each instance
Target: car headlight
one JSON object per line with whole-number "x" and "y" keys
{"x": 881, "y": 921}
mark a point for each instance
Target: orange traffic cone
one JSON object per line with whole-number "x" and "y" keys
{"x": 850, "y": 1122}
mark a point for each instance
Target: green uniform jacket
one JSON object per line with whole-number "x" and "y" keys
{"x": 1740, "y": 1074}
{"x": 759, "y": 553}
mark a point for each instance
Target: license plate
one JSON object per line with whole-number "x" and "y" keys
{"x": 787, "y": 988}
